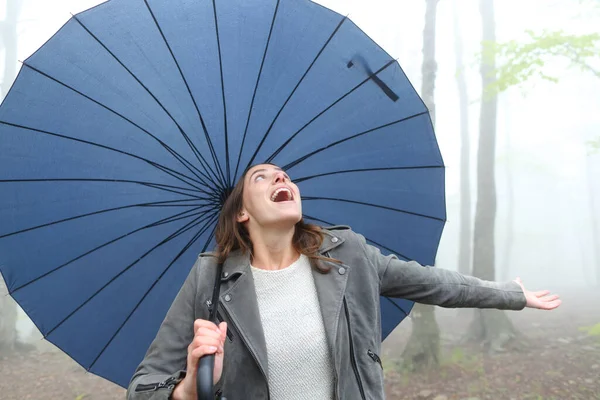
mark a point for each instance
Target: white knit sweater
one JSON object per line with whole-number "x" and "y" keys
{"x": 297, "y": 350}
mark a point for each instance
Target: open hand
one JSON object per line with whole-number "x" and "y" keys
{"x": 542, "y": 300}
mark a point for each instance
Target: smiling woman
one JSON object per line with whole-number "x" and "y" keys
{"x": 266, "y": 200}
{"x": 299, "y": 305}
{"x": 121, "y": 140}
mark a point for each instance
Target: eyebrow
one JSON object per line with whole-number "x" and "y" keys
{"x": 263, "y": 170}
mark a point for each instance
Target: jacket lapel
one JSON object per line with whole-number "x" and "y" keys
{"x": 239, "y": 300}
{"x": 331, "y": 288}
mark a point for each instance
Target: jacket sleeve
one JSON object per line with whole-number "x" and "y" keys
{"x": 164, "y": 365}
{"x": 441, "y": 287}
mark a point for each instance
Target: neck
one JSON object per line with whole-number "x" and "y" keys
{"x": 273, "y": 249}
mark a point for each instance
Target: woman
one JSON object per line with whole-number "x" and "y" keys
{"x": 299, "y": 305}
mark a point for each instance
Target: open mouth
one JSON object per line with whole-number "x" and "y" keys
{"x": 282, "y": 194}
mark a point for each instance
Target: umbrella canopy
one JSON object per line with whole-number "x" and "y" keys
{"x": 123, "y": 134}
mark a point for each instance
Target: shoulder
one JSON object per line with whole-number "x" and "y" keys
{"x": 208, "y": 256}
{"x": 205, "y": 264}
{"x": 341, "y": 231}
{"x": 345, "y": 233}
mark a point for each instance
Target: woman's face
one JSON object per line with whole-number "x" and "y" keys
{"x": 270, "y": 198}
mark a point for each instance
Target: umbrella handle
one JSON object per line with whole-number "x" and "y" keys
{"x": 206, "y": 364}
{"x": 204, "y": 378}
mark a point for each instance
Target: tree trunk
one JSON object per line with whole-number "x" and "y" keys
{"x": 423, "y": 347}
{"x": 464, "y": 252}
{"x": 593, "y": 219}
{"x": 490, "y": 327}
{"x": 510, "y": 212}
{"x": 8, "y": 308}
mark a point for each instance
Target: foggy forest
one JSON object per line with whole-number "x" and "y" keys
{"x": 513, "y": 91}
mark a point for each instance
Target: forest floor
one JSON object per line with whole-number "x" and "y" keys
{"x": 560, "y": 360}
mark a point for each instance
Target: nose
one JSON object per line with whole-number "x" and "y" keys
{"x": 279, "y": 177}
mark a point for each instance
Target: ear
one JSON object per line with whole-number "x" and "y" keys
{"x": 242, "y": 216}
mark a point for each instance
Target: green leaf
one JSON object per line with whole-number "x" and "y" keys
{"x": 518, "y": 62}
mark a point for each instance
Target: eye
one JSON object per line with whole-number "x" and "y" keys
{"x": 259, "y": 178}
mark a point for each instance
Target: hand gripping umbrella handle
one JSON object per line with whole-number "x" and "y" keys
{"x": 206, "y": 364}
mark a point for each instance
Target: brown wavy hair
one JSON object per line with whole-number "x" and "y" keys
{"x": 232, "y": 235}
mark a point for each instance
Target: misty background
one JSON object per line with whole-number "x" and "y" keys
{"x": 547, "y": 168}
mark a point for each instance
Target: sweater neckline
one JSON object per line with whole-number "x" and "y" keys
{"x": 302, "y": 259}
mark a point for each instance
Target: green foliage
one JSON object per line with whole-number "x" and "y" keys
{"x": 593, "y": 331}
{"x": 465, "y": 361}
{"x": 594, "y": 145}
{"x": 517, "y": 61}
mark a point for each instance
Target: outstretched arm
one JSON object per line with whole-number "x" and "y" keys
{"x": 445, "y": 288}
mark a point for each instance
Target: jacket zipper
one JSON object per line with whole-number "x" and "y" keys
{"x": 229, "y": 333}
{"x": 352, "y": 356}
{"x": 253, "y": 355}
{"x": 375, "y": 357}
{"x": 151, "y": 387}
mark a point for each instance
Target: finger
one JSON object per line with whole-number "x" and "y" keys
{"x": 208, "y": 333}
{"x": 551, "y": 305}
{"x": 541, "y": 293}
{"x": 223, "y": 329}
{"x": 202, "y": 323}
{"x": 204, "y": 341}
{"x": 201, "y": 352}
{"x": 550, "y": 298}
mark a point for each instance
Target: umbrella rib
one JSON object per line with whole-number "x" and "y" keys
{"x": 306, "y": 178}
{"x": 166, "y": 188}
{"x": 209, "y": 239}
{"x": 169, "y": 219}
{"x": 303, "y": 158}
{"x": 373, "y": 205}
{"x": 369, "y": 240}
{"x": 262, "y": 64}
{"x": 206, "y": 135}
{"x": 185, "y": 136}
{"x": 176, "y": 155}
{"x": 228, "y": 182}
{"x": 153, "y": 204}
{"x": 185, "y": 248}
{"x": 272, "y": 156}
{"x": 152, "y": 163}
{"x": 397, "y": 306}
{"x": 337, "y": 28}
{"x": 180, "y": 231}
{"x": 399, "y": 255}
{"x": 318, "y": 219}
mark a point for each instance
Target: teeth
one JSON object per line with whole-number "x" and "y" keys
{"x": 275, "y": 193}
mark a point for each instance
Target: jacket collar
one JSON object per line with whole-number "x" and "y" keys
{"x": 239, "y": 263}
{"x": 330, "y": 241}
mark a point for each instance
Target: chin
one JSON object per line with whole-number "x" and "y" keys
{"x": 288, "y": 219}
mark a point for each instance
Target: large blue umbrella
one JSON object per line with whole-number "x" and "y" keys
{"x": 123, "y": 134}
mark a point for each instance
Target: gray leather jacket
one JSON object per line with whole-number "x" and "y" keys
{"x": 349, "y": 300}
